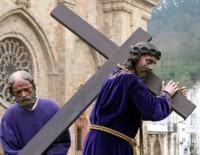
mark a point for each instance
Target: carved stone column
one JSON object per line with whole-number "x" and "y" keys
{"x": 125, "y": 16}
{"x": 152, "y": 139}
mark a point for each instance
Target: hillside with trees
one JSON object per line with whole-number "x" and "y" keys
{"x": 175, "y": 28}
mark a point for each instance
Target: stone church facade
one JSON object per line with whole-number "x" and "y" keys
{"x": 59, "y": 61}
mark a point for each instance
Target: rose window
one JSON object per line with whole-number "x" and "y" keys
{"x": 14, "y": 56}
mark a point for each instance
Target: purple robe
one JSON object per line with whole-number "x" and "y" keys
{"x": 18, "y": 126}
{"x": 121, "y": 104}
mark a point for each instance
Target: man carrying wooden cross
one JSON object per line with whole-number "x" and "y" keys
{"x": 124, "y": 101}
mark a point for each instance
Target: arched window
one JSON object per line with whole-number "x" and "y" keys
{"x": 156, "y": 148}
{"x": 14, "y": 55}
{"x": 81, "y": 125}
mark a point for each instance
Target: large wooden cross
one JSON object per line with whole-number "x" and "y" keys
{"x": 89, "y": 91}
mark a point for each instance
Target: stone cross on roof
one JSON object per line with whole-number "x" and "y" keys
{"x": 85, "y": 96}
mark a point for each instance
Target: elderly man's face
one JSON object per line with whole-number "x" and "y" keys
{"x": 144, "y": 65}
{"x": 24, "y": 93}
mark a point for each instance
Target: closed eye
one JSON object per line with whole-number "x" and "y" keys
{"x": 149, "y": 61}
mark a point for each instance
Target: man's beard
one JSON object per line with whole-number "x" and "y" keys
{"x": 142, "y": 74}
{"x": 28, "y": 101}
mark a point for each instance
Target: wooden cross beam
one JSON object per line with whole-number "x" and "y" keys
{"x": 85, "y": 95}
{"x": 105, "y": 47}
{"x": 82, "y": 99}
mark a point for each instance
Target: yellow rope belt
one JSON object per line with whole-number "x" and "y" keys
{"x": 131, "y": 141}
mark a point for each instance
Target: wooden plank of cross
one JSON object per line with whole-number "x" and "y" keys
{"x": 106, "y": 47}
{"x": 83, "y": 98}
{"x": 85, "y": 95}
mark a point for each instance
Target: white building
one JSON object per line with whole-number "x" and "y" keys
{"x": 165, "y": 132}
{"x": 183, "y": 143}
{"x": 193, "y": 125}
{"x": 180, "y": 137}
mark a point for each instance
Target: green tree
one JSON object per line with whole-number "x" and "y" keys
{"x": 175, "y": 28}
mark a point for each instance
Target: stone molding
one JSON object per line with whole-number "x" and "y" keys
{"x": 68, "y": 2}
{"x": 109, "y": 6}
{"x": 152, "y": 2}
{"x": 24, "y": 3}
{"x": 126, "y": 5}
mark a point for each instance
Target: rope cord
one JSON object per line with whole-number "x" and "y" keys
{"x": 131, "y": 141}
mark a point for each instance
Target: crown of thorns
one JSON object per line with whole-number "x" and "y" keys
{"x": 145, "y": 48}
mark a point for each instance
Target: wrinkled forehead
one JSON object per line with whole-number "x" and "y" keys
{"x": 20, "y": 83}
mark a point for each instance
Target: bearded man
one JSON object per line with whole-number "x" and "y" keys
{"x": 124, "y": 101}
{"x": 27, "y": 116}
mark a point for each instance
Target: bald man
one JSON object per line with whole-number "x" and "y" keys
{"x": 27, "y": 116}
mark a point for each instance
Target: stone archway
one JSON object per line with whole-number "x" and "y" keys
{"x": 156, "y": 148}
{"x": 14, "y": 55}
{"x": 25, "y": 35}
{"x": 80, "y": 130}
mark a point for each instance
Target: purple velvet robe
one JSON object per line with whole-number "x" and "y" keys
{"x": 18, "y": 126}
{"x": 121, "y": 104}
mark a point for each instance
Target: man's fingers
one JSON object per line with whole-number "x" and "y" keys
{"x": 183, "y": 91}
{"x": 163, "y": 84}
